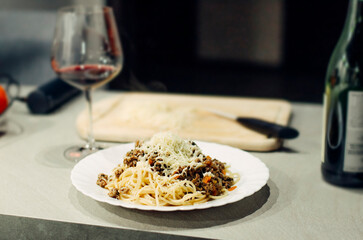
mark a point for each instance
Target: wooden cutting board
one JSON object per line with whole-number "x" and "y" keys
{"x": 136, "y": 116}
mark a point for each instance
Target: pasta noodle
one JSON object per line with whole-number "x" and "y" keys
{"x": 168, "y": 171}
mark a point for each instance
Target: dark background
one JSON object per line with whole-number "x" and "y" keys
{"x": 248, "y": 48}
{"x": 164, "y": 51}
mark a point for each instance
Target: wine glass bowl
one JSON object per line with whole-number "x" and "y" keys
{"x": 88, "y": 76}
{"x": 86, "y": 53}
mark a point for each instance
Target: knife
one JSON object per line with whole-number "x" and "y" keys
{"x": 269, "y": 128}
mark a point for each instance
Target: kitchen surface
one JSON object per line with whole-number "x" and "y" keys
{"x": 38, "y": 198}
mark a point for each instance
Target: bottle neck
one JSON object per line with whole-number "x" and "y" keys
{"x": 347, "y": 60}
{"x": 352, "y": 37}
{"x": 354, "y": 17}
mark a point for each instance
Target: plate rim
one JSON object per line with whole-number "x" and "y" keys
{"x": 264, "y": 175}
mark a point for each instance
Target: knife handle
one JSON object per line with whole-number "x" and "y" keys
{"x": 269, "y": 128}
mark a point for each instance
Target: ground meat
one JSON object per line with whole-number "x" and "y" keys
{"x": 212, "y": 189}
{"x": 118, "y": 172}
{"x": 102, "y": 180}
{"x": 210, "y": 186}
{"x": 227, "y": 182}
{"x": 130, "y": 162}
{"x": 113, "y": 193}
{"x": 132, "y": 157}
{"x": 159, "y": 167}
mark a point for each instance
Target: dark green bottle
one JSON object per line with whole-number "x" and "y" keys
{"x": 342, "y": 151}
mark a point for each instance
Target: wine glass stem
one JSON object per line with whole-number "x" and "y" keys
{"x": 91, "y": 140}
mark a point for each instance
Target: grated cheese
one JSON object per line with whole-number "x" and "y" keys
{"x": 172, "y": 151}
{"x": 208, "y": 174}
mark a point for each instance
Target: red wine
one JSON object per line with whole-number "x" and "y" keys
{"x": 342, "y": 162}
{"x": 88, "y": 75}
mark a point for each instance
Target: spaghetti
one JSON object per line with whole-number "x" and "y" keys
{"x": 168, "y": 171}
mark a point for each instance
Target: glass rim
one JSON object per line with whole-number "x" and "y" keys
{"x": 99, "y": 8}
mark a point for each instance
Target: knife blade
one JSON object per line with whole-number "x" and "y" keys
{"x": 265, "y": 127}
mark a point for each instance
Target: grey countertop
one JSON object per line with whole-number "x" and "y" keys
{"x": 38, "y": 200}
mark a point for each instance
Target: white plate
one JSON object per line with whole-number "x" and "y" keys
{"x": 254, "y": 175}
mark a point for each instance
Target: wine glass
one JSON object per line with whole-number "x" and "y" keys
{"x": 86, "y": 53}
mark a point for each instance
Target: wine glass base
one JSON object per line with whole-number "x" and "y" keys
{"x": 77, "y": 153}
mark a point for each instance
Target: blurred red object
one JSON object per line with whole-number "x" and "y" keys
{"x": 3, "y": 100}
